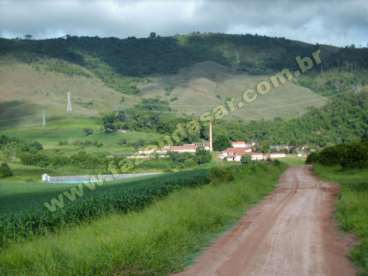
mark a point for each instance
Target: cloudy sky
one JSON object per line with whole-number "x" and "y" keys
{"x": 337, "y": 22}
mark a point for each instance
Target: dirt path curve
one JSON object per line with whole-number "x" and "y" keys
{"x": 291, "y": 233}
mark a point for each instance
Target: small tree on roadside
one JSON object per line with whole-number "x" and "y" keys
{"x": 5, "y": 170}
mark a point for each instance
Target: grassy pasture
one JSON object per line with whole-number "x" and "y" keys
{"x": 352, "y": 208}
{"x": 71, "y": 129}
{"x": 206, "y": 85}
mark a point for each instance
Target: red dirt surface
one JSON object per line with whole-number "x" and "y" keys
{"x": 291, "y": 233}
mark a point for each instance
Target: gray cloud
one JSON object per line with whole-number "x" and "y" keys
{"x": 330, "y": 21}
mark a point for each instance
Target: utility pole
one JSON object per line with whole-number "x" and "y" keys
{"x": 69, "y": 107}
{"x": 210, "y": 137}
{"x": 43, "y": 118}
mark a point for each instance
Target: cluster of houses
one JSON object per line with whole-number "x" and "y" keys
{"x": 241, "y": 148}
{"x": 235, "y": 153}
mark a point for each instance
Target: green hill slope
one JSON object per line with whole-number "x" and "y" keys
{"x": 192, "y": 72}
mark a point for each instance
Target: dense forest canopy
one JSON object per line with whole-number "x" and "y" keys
{"x": 164, "y": 55}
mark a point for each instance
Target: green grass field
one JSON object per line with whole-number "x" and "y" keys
{"x": 163, "y": 238}
{"x": 352, "y": 208}
{"x": 70, "y": 130}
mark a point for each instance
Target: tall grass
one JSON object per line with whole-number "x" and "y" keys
{"x": 162, "y": 239}
{"x": 352, "y": 208}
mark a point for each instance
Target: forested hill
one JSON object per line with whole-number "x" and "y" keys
{"x": 164, "y": 55}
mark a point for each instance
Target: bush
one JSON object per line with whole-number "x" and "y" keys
{"x": 332, "y": 155}
{"x": 38, "y": 159}
{"x": 246, "y": 160}
{"x": 276, "y": 162}
{"x": 221, "y": 174}
{"x": 88, "y": 131}
{"x": 5, "y": 170}
{"x": 33, "y": 147}
{"x": 312, "y": 158}
{"x": 202, "y": 156}
{"x": 353, "y": 156}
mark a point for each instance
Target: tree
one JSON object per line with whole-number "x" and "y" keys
{"x": 221, "y": 142}
{"x": 153, "y": 35}
{"x": 202, "y": 156}
{"x": 28, "y": 36}
{"x": 5, "y": 170}
{"x": 35, "y": 147}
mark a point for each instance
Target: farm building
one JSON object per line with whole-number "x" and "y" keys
{"x": 235, "y": 154}
{"x": 242, "y": 145}
{"x": 186, "y": 148}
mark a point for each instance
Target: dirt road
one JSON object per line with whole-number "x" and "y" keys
{"x": 291, "y": 233}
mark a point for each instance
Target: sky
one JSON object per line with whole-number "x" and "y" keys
{"x": 335, "y": 22}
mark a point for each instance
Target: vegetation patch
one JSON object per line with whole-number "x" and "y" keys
{"x": 83, "y": 203}
{"x": 348, "y": 156}
{"x": 161, "y": 239}
{"x": 352, "y": 207}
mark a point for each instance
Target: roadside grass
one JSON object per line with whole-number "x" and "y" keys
{"x": 352, "y": 208}
{"x": 163, "y": 238}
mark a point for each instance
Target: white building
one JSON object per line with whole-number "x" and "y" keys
{"x": 247, "y": 147}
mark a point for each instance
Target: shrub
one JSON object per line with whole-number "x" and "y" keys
{"x": 355, "y": 156}
{"x": 123, "y": 142}
{"x": 276, "y": 162}
{"x": 202, "y": 156}
{"x": 88, "y": 131}
{"x": 33, "y": 147}
{"x": 246, "y": 160}
{"x": 5, "y": 170}
{"x": 312, "y": 158}
{"x": 38, "y": 159}
{"x": 221, "y": 174}
{"x": 332, "y": 155}
{"x": 63, "y": 143}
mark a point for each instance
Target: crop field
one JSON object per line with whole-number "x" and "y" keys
{"x": 162, "y": 238}
{"x": 25, "y": 215}
{"x": 352, "y": 208}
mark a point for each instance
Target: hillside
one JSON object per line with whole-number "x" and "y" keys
{"x": 192, "y": 73}
{"x": 205, "y": 85}
{"x": 29, "y": 88}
